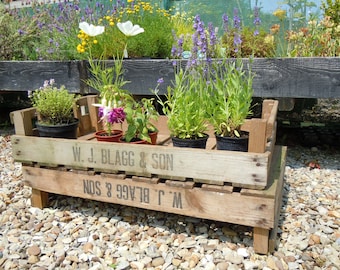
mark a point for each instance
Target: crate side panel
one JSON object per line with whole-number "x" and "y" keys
{"x": 220, "y": 166}
{"x": 195, "y": 202}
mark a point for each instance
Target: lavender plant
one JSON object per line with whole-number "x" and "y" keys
{"x": 238, "y": 41}
{"x": 189, "y": 92}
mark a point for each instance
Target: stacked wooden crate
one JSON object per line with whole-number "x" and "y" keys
{"x": 236, "y": 187}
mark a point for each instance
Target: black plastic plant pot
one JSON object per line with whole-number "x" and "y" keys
{"x": 190, "y": 143}
{"x": 232, "y": 143}
{"x": 66, "y": 131}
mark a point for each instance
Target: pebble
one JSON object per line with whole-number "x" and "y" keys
{"x": 82, "y": 234}
{"x": 33, "y": 250}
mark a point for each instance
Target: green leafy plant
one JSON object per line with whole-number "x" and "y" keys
{"x": 230, "y": 98}
{"x": 184, "y": 105}
{"x": 54, "y": 105}
{"x": 139, "y": 119}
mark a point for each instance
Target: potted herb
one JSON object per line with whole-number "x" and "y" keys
{"x": 55, "y": 111}
{"x": 187, "y": 97}
{"x": 139, "y": 117}
{"x": 230, "y": 104}
{"x": 183, "y": 106}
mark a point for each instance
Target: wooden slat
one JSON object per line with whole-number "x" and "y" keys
{"x": 257, "y": 134}
{"x": 220, "y": 166}
{"x": 275, "y": 175}
{"x": 269, "y": 112}
{"x": 223, "y": 189}
{"x": 22, "y": 120}
{"x": 93, "y": 111}
{"x": 82, "y": 111}
{"x": 195, "y": 202}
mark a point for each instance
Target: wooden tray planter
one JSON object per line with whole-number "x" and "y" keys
{"x": 203, "y": 183}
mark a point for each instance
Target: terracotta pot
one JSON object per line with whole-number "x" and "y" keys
{"x": 153, "y": 137}
{"x": 104, "y": 137}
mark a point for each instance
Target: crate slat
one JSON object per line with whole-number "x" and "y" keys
{"x": 172, "y": 196}
{"x": 220, "y": 166}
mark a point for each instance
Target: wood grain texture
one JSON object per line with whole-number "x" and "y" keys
{"x": 220, "y": 166}
{"x": 30, "y": 75}
{"x": 195, "y": 202}
{"x": 314, "y": 77}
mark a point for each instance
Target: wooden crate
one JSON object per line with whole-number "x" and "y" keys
{"x": 246, "y": 187}
{"x": 245, "y": 169}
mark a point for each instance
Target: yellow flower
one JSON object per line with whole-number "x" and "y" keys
{"x": 269, "y": 39}
{"x": 280, "y": 13}
{"x": 80, "y": 48}
{"x": 95, "y": 41}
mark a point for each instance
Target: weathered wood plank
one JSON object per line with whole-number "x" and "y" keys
{"x": 261, "y": 237}
{"x": 30, "y": 75}
{"x": 23, "y": 121}
{"x": 220, "y": 166}
{"x": 195, "y": 202}
{"x": 308, "y": 77}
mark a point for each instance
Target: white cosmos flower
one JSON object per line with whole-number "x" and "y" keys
{"x": 128, "y": 29}
{"x": 90, "y": 29}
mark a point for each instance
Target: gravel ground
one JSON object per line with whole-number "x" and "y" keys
{"x": 73, "y": 233}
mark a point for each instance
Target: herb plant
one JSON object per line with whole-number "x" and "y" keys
{"x": 231, "y": 98}
{"x": 54, "y": 105}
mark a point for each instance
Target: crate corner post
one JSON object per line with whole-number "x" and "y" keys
{"x": 39, "y": 198}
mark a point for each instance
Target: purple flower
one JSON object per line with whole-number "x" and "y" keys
{"x": 101, "y": 112}
{"x": 225, "y": 19}
{"x": 237, "y": 20}
{"x": 237, "y": 34}
{"x": 160, "y": 81}
{"x": 212, "y": 35}
{"x": 116, "y": 115}
{"x": 173, "y": 51}
{"x": 21, "y": 32}
{"x": 257, "y": 20}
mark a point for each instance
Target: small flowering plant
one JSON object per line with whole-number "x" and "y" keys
{"x": 117, "y": 104}
{"x": 54, "y": 105}
{"x": 110, "y": 116}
